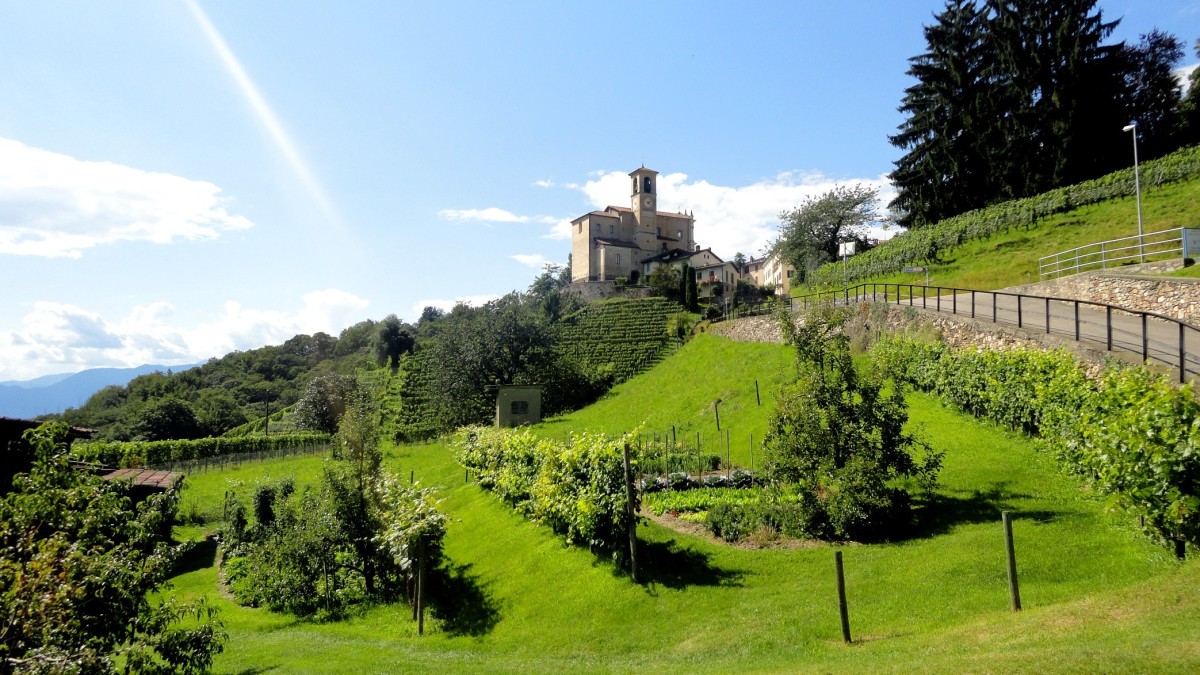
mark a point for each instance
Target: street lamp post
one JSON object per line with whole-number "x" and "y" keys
{"x": 1137, "y": 184}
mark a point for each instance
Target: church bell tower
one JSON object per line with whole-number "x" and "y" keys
{"x": 645, "y": 208}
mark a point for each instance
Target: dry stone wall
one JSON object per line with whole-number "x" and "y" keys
{"x": 960, "y": 332}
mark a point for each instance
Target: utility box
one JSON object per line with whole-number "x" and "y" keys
{"x": 518, "y": 404}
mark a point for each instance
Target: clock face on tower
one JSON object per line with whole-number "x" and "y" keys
{"x": 648, "y": 202}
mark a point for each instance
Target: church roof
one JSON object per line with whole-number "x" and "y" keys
{"x": 606, "y": 241}
{"x": 672, "y": 255}
{"x": 626, "y": 209}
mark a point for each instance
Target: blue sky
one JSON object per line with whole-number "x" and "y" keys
{"x": 180, "y": 179}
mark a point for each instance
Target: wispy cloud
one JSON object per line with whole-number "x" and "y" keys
{"x": 54, "y": 205}
{"x": 491, "y": 214}
{"x": 536, "y": 261}
{"x": 56, "y": 337}
{"x": 488, "y": 215}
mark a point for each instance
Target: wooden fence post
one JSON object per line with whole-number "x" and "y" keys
{"x": 633, "y": 574}
{"x": 421, "y": 587}
{"x": 1013, "y": 591}
{"x": 841, "y": 588}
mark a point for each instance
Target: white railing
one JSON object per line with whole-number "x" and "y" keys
{"x": 1162, "y": 245}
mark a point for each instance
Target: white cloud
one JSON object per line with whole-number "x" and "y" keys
{"x": 54, "y": 205}
{"x": 447, "y": 305}
{"x": 56, "y": 337}
{"x": 546, "y": 183}
{"x": 491, "y": 215}
{"x": 535, "y": 260}
{"x": 1183, "y": 73}
{"x": 488, "y": 215}
{"x": 729, "y": 219}
{"x": 561, "y": 229}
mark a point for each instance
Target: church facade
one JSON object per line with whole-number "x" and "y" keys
{"x": 629, "y": 241}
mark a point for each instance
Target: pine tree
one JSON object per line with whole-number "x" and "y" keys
{"x": 946, "y": 134}
{"x": 1065, "y": 87}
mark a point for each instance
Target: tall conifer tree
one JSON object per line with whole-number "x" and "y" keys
{"x": 945, "y": 169}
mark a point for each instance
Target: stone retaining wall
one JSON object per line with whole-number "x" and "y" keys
{"x": 958, "y": 331}
{"x": 590, "y": 291}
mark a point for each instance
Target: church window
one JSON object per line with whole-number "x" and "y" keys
{"x": 646, "y": 184}
{"x": 581, "y": 228}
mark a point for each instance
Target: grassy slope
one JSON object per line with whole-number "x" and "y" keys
{"x": 1097, "y": 596}
{"x": 1011, "y": 258}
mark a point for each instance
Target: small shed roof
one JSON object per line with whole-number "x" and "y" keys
{"x": 146, "y": 478}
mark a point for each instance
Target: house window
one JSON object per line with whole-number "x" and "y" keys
{"x": 610, "y": 229}
{"x": 679, "y": 234}
{"x": 697, "y": 276}
{"x": 618, "y": 258}
{"x": 520, "y": 407}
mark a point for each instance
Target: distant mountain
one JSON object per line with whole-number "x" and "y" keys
{"x": 56, "y": 393}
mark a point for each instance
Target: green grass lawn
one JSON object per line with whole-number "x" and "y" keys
{"x": 1098, "y": 596}
{"x": 1011, "y": 258}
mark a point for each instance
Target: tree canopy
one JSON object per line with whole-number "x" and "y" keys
{"x": 79, "y": 570}
{"x": 1015, "y": 97}
{"x": 811, "y": 232}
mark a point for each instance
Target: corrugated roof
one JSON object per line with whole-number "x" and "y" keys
{"x": 149, "y": 478}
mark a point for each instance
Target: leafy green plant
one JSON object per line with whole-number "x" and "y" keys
{"x": 577, "y": 488}
{"x": 838, "y": 438}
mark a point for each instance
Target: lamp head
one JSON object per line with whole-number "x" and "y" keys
{"x": 1129, "y": 127}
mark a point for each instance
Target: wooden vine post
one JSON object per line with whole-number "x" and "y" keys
{"x": 421, "y": 587}
{"x": 841, "y": 589}
{"x": 632, "y": 513}
{"x": 1013, "y": 590}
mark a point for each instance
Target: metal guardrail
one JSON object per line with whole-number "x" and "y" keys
{"x": 1161, "y": 245}
{"x": 1153, "y": 337}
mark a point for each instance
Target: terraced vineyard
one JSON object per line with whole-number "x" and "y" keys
{"x": 409, "y": 409}
{"x": 620, "y": 337}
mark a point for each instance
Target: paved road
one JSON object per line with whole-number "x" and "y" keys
{"x": 1161, "y": 341}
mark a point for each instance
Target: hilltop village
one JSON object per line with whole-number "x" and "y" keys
{"x": 627, "y": 243}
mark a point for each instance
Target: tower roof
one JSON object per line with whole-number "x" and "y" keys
{"x": 643, "y": 170}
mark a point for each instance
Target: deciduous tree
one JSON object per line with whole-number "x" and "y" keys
{"x": 811, "y": 232}
{"x": 80, "y": 567}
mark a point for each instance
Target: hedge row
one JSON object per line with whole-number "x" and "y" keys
{"x": 577, "y": 487}
{"x": 1133, "y": 435}
{"x": 153, "y": 453}
{"x": 925, "y": 244}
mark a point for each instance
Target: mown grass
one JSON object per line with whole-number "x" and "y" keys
{"x": 1011, "y": 258}
{"x": 1098, "y": 596}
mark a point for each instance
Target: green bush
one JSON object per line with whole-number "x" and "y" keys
{"x": 576, "y": 488}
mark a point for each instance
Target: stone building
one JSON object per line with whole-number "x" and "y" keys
{"x": 620, "y": 241}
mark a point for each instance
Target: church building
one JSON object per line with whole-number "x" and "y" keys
{"x": 629, "y": 242}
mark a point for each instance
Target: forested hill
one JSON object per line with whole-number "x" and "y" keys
{"x": 225, "y": 392}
